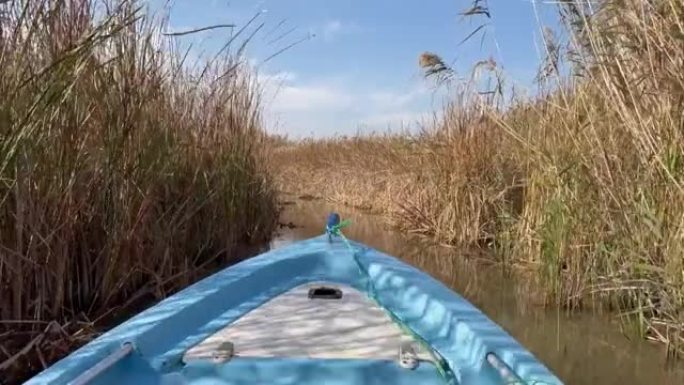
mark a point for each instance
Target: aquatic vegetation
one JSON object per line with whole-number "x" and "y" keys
{"x": 580, "y": 187}
{"x": 126, "y": 171}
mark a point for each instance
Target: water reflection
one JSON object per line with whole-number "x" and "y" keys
{"x": 581, "y": 348}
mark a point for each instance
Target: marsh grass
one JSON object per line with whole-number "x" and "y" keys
{"x": 580, "y": 187}
{"x": 124, "y": 173}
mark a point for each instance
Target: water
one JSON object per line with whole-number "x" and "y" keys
{"x": 581, "y": 348}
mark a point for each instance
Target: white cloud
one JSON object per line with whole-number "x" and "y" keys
{"x": 330, "y": 106}
{"x": 393, "y": 98}
{"x": 397, "y": 119}
{"x": 310, "y": 98}
{"x": 334, "y": 28}
{"x": 283, "y": 94}
{"x": 331, "y": 28}
{"x": 277, "y": 78}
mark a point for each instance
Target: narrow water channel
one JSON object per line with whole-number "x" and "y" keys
{"x": 581, "y": 348}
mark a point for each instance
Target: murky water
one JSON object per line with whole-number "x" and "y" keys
{"x": 581, "y": 348}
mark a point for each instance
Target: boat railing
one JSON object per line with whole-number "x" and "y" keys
{"x": 106, "y": 363}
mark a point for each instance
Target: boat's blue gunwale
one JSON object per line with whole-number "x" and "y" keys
{"x": 458, "y": 331}
{"x": 134, "y": 329}
{"x": 464, "y": 335}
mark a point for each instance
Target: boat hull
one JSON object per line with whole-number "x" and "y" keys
{"x": 470, "y": 348}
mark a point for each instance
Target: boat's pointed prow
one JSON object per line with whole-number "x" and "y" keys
{"x": 320, "y": 311}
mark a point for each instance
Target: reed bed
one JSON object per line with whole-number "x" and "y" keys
{"x": 581, "y": 187}
{"x": 126, "y": 172}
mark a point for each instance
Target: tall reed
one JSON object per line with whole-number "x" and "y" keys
{"x": 581, "y": 186}
{"x": 124, "y": 173}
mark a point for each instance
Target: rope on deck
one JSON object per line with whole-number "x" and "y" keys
{"x": 334, "y": 228}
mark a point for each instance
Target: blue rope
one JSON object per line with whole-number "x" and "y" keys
{"x": 334, "y": 228}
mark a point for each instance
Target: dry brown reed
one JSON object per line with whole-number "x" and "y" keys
{"x": 124, "y": 174}
{"x": 581, "y": 187}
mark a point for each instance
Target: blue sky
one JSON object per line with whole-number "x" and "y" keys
{"x": 359, "y": 73}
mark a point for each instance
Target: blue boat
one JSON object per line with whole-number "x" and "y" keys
{"x": 320, "y": 311}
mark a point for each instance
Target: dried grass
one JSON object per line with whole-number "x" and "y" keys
{"x": 581, "y": 186}
{"x": 123, "y": 174}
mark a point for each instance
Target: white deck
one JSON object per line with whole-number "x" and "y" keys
{"x": 292, "y": 325}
